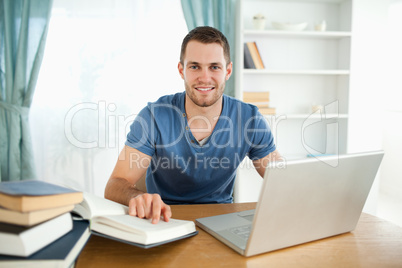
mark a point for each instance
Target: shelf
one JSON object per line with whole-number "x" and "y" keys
{"x": 301, "y": 34}
{"x": 309, "y": 116}
{"x": 305, "y": 156}
{"x": 296, "y": 72}
{"x": 302, "y": 68}
{"x": 310, "y": 1}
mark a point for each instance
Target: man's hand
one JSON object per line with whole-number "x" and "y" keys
{"x": 130, "y": 168}
{"x": 149, "y": 206}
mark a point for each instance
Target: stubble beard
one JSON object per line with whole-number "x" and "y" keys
{"x": 218, "y": 92}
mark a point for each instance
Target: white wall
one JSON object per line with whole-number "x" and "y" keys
{"x": 367, "y": 81}
{"x": 390, "y": 188}
{"x": 390, "y": 192}
{"x": 368, "y": 74}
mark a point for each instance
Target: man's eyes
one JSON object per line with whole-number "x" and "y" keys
{"x": 214, "y": 67}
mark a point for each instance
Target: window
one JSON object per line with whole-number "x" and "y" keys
{"x": 104, "y": 60}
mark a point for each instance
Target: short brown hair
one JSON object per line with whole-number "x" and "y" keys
{"x": 206, "y": 35}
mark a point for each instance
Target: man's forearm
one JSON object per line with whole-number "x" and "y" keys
{"x": 261, "y": 164}
{"x": 121, "y": 191}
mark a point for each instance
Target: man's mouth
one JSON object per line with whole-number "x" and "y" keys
{"x": 205, "y": 89}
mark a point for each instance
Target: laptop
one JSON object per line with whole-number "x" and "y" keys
{"x": 300, "y": 201}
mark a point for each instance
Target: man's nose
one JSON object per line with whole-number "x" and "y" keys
{"x": 204, "y": 75}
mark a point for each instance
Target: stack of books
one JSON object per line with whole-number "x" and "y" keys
{"x": 36, "y": 227}
{"x": 261, "y": 100}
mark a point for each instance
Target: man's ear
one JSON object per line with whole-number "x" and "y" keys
{"x": 229, "y": 70}
{"x": 180, "y": 67}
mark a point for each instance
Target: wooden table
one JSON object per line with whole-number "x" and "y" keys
{"x": 374, "y": 243}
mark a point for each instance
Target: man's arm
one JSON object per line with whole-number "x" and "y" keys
{"x": 130, "y": 167}
{"x": 261, "y": 164}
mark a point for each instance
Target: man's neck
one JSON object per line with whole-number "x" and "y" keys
{"x": 210, "y": 112}
{"x": 202, "y": 120}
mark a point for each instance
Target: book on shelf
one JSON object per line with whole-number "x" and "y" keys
{"x": 255, "y": 55}
{"x": 248, "y": 60}
{"x": 31, "y": 195}
{"x": 24, "y": 241}
{"x": 267, "y": 110}
{"x": 110, "y": 219}
{"x": 32, "y": 217}
{"x": 257, "y": 98}
{"x": 60, "y": 253}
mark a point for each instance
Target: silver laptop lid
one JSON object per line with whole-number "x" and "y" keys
{"x": 310, "y": 199}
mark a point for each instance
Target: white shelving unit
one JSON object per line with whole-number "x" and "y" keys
{"x": 302, "y": 69}
{"x": 295, "y": 72}
{"x": 307, "y": 34}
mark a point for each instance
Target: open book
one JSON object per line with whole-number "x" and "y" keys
{"x": 111, "y": 220}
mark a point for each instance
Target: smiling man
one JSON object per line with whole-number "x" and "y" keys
{"x": 190, "y": 144}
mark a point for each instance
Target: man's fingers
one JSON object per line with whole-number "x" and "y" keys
{"x": 136, "y": 207}
{"x": 148, "y": 203}
{"x": 149, "y": 206}
{"x": 167, "y": 212}
{"x": 156, "y": 209}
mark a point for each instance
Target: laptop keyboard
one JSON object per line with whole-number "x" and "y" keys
{"x": 242, "y": 231}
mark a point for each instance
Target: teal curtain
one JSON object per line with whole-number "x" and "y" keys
{"x": 23, "y": 29}
{"x": 220, "y": 14}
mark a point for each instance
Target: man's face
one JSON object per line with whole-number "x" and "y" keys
{"x": 204, "y": 71}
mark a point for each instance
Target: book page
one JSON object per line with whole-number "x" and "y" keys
{"x": 94, "y": 206}
{"x": 134, "y": 229}
{"x": 137, "y": 225}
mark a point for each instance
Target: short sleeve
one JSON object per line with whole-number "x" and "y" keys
{"x": 260, "y": 137}
{"x": 142, "y": 135}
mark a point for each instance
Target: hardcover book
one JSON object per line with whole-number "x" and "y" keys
{"x": 248, "y": 60}
{"x": 24, "y": 241}
{"x": 255, "y": 55}
{"x": 111, "y": 220}
{"x": 61, "y": 253}
{"x": 32, "y": 217}
{"x": 31, "y": 195}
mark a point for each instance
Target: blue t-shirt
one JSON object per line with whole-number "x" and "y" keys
{"x": 182, "y": 171}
